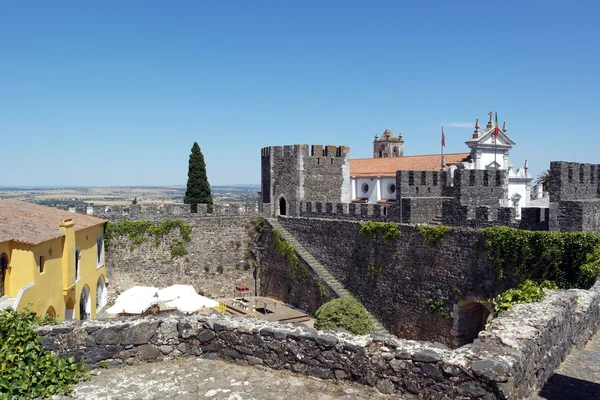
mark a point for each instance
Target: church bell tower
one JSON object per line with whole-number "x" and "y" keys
{"x": 388, "y": 145}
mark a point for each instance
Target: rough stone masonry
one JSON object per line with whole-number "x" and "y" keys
{"x": 510, "y": 360}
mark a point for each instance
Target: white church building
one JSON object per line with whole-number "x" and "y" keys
{"x": 373, "y": 180}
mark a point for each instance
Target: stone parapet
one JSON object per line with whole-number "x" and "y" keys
{"x": 161, "y": 212}
{"x": 513, "y": 358}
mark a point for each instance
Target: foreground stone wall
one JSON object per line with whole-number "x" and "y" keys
{"x": 398, "y": 281}
{"x": 511, "y": 360}
{"x": 214, "y": 263}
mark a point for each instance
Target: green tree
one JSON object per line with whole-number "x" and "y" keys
{"x": 198, "y": 188}
{"x": 542, "y": 179}
{"x": 345, "y": 313}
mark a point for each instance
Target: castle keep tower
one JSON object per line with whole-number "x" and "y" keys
{"x": 290, "y": 174}
{"x": 388, "y": 145}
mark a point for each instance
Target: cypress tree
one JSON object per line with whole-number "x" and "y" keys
{"x": 198, "y": 188}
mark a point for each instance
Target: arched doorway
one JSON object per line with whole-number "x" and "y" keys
{"x": 3, "y": 268}
{"x": 101, "y": 295}
{"x": 70, "y": 309}
{"x": 85, "y": 305}
{"x": 469, "y": 319}
{"x": 51, "y": 312}
{"x": 282, "y": 207}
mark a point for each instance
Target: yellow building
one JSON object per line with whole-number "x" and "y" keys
{"x": 51, "y": 261}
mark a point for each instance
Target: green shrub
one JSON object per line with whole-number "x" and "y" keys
{"x": 589, "y": 273}
{"x": 388, "y": 231}
{"x": 432, "y": 235}
{"x": 345, "y": 313}
{"x": 27, "y": 370}
{"x": 527, "y": 292}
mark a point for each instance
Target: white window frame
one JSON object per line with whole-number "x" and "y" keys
{"x": 100, "y": 260}
{"x": 78, "y": 264}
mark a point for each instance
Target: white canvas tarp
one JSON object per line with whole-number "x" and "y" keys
{"x": 175, "y": 291}
{"x": 192, "y": 303}
{"x": 139, "y": 299}
{"x": 134, "y": 300}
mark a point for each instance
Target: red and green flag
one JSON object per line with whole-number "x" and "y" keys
{"x": 496, "y": 130}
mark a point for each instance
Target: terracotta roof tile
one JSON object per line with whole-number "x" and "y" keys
{"x": 388, "y": 166}
{"x": 29, "y": 223}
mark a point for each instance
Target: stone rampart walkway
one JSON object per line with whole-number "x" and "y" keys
{"x": 200, "y": 378}
{"x": 578, "y": 377}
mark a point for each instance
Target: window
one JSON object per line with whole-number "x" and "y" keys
{"x": 365, "y": 187}
{"x": 100, "y": 250}
{"x": 41, "y": 264}
{"x": 392, "y": 188}
{"x": 77, "y": 258}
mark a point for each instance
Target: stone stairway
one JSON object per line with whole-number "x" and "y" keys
{"x": 6, "y": 301}
{"x": 320, "y": 270}
{"x": 436, "y": 220}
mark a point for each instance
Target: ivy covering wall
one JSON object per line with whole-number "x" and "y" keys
{"x": 140, "y": 231}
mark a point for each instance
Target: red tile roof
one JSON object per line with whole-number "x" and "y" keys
{"x": 387, "y": 166}
{"x": 29, "y": 223}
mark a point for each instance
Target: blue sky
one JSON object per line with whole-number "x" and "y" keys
{"x": 115, "y": 93}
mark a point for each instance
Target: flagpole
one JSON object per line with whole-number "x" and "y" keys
{"x": 496, "y": 141}
{"x": 442, "y": 150}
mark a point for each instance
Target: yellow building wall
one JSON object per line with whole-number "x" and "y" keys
{"x": 50, "y": 289}
{"x": 89, "y": 271}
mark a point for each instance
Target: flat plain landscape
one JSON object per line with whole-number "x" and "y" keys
{"x": 234, "y": 194}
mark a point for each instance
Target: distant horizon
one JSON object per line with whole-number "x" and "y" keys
{"x": 34, "y": 187}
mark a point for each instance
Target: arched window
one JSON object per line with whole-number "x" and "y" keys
{"x": 3, "y": 268}
{"x": 396, "y": 151}
{"x": 85, "y": 306}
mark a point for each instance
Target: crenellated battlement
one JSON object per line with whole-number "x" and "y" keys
{"x": 154, "y": 212}
{"x": 374, "y": 212}
{"x": 422, "y": 183}
{"x": 574, "y": 181}
{"x": 315, "y": 150}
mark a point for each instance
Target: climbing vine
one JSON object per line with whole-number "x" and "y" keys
{"x": 570, "y": 259}
{"x": 527, "y": 292}
{"x": 437, "y": 306}
{"x": 139, "y": 231}
{"x": 388, "y": 231}
{"x": 287, "y": 252}
{"x": 178, "y": 249}
{"x": 433, "y": 235}
{"x": 381, "y": 233}
{"x": 373, "y": 270}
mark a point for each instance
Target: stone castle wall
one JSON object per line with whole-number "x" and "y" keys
{"x": 396, "y": 280}
{"x": 161, "y": 212}
{"x": 301, "y": 287}
{"x": 214, "y": 264}
{"x": 511, "y": 360}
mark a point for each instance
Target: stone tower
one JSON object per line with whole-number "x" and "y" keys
{"x": 388, "y": 145}
{"x": 291, "y": 174}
